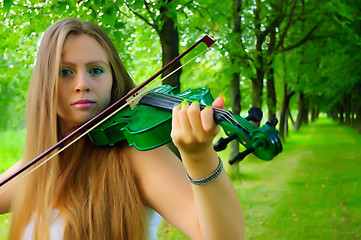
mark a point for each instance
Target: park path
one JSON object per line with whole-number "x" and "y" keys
{"x": 311, "y": 190}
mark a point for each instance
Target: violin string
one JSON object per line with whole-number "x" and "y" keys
{"x": 227, "y": 116}
{"x": 63, "y": 148}
{"x": 175, "y": 99}
{"x": 232, "y": 119}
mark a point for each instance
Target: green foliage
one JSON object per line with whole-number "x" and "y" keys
{"x": 11, "y": 147}
{"x": 329, "y": 68}
{"x": 327, "y": 71}
{"x": 4, "y": 225}
{"x": 17, "y": 48}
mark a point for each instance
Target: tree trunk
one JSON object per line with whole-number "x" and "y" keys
{"x": 341, "y": 119}
{"x": 314, "y": 114}
{"x": 358, "y": 117}
{"x": 290, "y": 115}
{"x": 283, "y": 127}
{"x": 235, "y": 86}
{"x": 347, "y": 108}
{"x": 335, "y": 114}
{"x": 305, "y": 114}
{"x": 236, "y": 109}
{"x": 285, "y": 132}
{"x": 357, "y": 106}
{"x": 169, "y": 39}
{"x": 284, "y": 112}
{"x": 300, "y": 113}
{"x": 257, "y": 89}
{"x": 271, "y": 92}
{"x": 257, "y": 83}
{"x": 271, "y": 95}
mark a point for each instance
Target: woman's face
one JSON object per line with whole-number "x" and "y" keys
{"x": 85, "y": 81}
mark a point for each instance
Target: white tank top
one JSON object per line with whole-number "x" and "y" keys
{"x": 58, "y": 224}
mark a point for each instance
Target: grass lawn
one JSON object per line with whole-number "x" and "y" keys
{"x": 310, "y": 191}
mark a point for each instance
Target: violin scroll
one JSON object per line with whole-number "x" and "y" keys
{"x": 254, "y": 115}
{"x": 261, "y": 141}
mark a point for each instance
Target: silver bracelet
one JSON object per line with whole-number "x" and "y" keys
{"x": 210, "y": 178}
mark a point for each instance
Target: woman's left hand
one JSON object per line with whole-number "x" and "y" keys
{"x": 193, "y": 129}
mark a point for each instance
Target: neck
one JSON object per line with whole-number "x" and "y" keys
{"x": 65, "y": 128}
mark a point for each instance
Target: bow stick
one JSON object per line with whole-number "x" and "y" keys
{"x": 102, "y": 116}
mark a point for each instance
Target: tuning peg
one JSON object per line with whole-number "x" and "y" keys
{"x": 272, "y": 122}
{"x": 221, "y": 144}
{"x": 254, "y": 114}
{"x": 240, "y": 156}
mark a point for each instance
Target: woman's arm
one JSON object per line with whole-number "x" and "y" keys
{"x": 212, "y": 211}
{"x": 6, "y": 197}
{"x": 219, "y": 211}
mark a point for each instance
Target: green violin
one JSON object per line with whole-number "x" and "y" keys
{"x": 148, "y": 124}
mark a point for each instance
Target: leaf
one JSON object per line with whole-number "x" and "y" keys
{"x": 118, "y": 35}
{"x": 109, "y": 16}
{"x": 135, "y": 5}
{"x": 119, "y": 25}
{"x": 7, "y": 5}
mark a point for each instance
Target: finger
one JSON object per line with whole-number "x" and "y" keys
{"x": 208, "y": 122}
{"x": 194, "y": 115}
{"x": 218, "y": 103}
{"x": 183, "y": 120}
{"x": 175, "y": 120}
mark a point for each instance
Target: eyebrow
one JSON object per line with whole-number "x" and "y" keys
{"x": 88, "y": 63}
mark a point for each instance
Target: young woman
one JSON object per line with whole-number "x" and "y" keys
{"x": 89, "y": 192}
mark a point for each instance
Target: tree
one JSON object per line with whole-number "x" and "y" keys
{"x": 162, "y": 18}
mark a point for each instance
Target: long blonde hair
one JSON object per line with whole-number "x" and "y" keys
{"x": 97, "y": 194}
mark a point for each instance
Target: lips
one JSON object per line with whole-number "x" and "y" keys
{"x": 83, "y": 104}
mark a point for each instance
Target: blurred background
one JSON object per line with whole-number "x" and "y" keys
{"x": 297, "y": 60}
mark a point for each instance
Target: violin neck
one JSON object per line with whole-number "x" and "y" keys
{"x": 168, "y": 102}
{"x": 159, "y": 100}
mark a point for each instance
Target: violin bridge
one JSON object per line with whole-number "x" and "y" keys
{"x": 134, "y": 99}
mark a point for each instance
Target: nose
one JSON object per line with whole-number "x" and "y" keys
{"x": 82, "y": 83}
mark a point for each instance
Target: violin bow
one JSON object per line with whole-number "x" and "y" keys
{"x": 99, "y": 118}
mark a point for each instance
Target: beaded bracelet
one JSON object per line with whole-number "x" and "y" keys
{"x": 210, "y": 178}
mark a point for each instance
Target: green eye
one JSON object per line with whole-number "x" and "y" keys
{"x": 65, "y": 72}
{"x": 96, "y": 71}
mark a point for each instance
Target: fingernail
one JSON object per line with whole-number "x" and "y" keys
{"x": 207, "y": 107}
{"x": 222, "y": 96}
{"x": 184, "y": 103}
{"x": 195, "y": 101}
